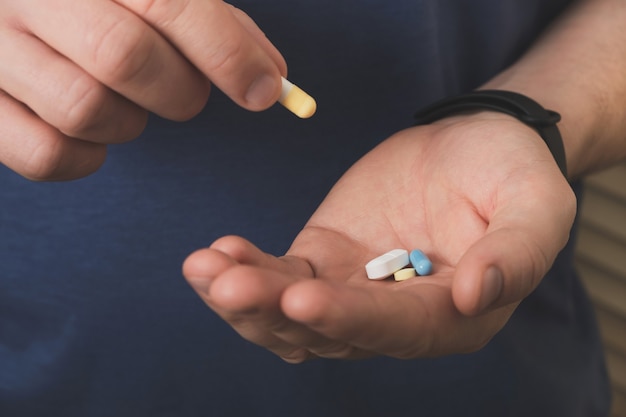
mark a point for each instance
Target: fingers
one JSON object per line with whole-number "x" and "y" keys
{"x": 42, "y": 152}
{"x": 520, "y": 245}
{"x": 201, "y": 270}
{"x": 232, "y": 54}
{"x": 260, "y": 38}
{"x": 269, "y": 303}
{"x": 120, "y": 50}
{"x": 93, "y": 69}
{"x": 204, "y": 265}
{"x": 64, "y": 95}
{"x": 248, "y": 298}
{"x": 404, "y": 324}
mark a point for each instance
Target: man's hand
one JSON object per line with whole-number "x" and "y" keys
{"x": 480, "y": 194}
{"x": 76, "y": 75}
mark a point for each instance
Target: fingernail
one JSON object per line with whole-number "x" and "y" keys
{"x": 261, "y": 92}
{"x": 492, "y": 287}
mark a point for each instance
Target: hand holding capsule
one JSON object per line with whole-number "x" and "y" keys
{"x": 76, "y": 75}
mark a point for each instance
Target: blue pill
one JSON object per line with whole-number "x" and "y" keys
{"x": 421, "y": 263}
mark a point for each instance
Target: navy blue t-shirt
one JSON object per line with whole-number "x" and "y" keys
{"x": 97, "y": 321}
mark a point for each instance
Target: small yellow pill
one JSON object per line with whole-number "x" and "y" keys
{"x": 404, "y": 274}
{"x": 296, "y": 100}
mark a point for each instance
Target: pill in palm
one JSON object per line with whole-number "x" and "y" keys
{"x": 385, "y": 265}
{"x": 404, "y": 274}
{"x": 421, "y": 263}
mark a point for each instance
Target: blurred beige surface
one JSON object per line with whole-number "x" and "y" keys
{"x": 601, "y": 262}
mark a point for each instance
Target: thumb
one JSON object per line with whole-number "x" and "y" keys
{"x": 222, "y": 44}
{"x": 499, "y": 269}
{"x": 507, "y": 264}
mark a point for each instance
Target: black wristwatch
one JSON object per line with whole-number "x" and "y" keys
{"x": 517, "y": 105}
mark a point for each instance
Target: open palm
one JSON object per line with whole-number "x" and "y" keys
{"x": 480, "y": 194}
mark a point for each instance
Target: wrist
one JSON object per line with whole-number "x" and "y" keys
{"x": 576, "y": 68}
{"x": 579, "y": 120}
{"x": 516, "y": 105}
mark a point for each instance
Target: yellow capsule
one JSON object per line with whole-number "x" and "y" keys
{"x": 296, "y": 100}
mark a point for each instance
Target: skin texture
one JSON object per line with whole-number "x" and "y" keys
{"x": 317, "y": 300}
{"x": 577, "y": 68}
{"x": 79, "y": 75}
{"x": 479, "y": 193}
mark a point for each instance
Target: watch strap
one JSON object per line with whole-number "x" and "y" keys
{"x": 514, "y": 104}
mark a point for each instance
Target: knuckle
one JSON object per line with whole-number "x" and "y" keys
{"x": 225, "y": 55}
{"x": 45, "y": 162}
{"x": 296, "y": 356}
{"x": 226, "y": 49}
{"x": 38, "y": 151}
{"x": 194, "y": 106}
{"x": 88, "y": 111}
{"x": 48, "y": 161}
{"x": 122, "y": 51}
{"x": 79, "y": 109}
{"x": 161, "y": 12}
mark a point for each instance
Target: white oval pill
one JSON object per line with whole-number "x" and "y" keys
{"x": 385, "y": 265}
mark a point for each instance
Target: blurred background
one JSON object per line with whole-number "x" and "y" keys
{"x": 601, "y": 262}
